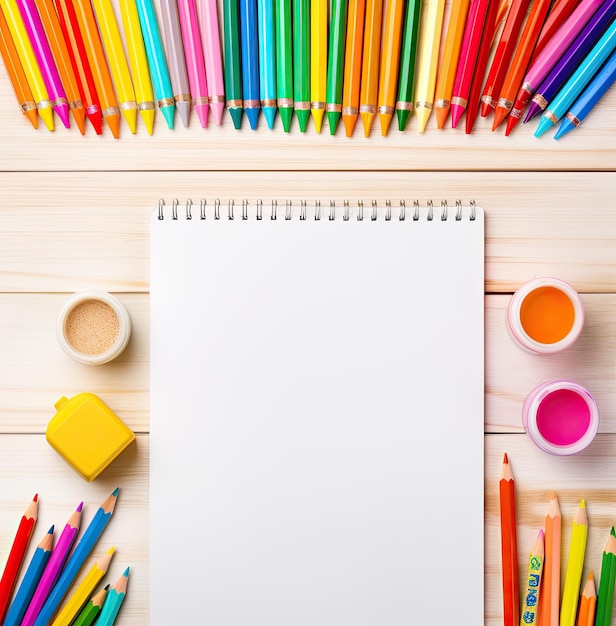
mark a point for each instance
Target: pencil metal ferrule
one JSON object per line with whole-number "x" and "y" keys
{"x": 368, "y": 108}
{"x": 350, "y": 111}
{"x": 423, "y": 103}
{"x": 146, "y": 106}
{"x": 131, "y": 105}
{"x": 506, "y": 104}
{"x": 461, "y": 102}
{"x": 43, "y": 104}
{"x": 166, "y": 102}
{"x": 574, "y": 120}
{"x": 551, "y": 117}
{"x": 218, "y": 99}
{"x": 200, "y": 100}
{"x": 302, "y": 106}
{"x": 540, "y": 101}
{"x": 111, "y": 111}
{"x": 285, "y": 102}
{"x": 75, "y": 104}
{"x": 317, "y": 106}
{"x": 183, "y": 97}
{"x": 234, "y": 104}
{"x": 332, "y": 107}
{"x": 442, "y": 103}
{"x": 28, "y": 106}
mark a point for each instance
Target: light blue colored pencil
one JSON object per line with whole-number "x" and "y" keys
{"x": 267, "y": 60}
{"x": 114, "y": 600}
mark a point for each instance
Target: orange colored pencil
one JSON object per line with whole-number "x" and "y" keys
{"x": 16, "y": 555}
{"x": 509, "y": 547}
{"x": 16, "y": 73}
{"x": 49, "y": 17}
{"x": 352, "y": 64}
{"x": 98, "y": 64}
{"x": 549, "y": 607}
{"x": 521, "y": 58}
{"x": 588, "y": 603}
{"x": 370, "y": 64}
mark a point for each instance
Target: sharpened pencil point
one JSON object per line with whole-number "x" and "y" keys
{"x": 35, "y": 499}
{"x": 47, "y": 116}
{"x": 499, "y": 115}
{"x": 79, "y": 115}
{"x": 317, "y": 116}
{"x": 184, "y": 111}
{"x": 505, "y": 458}
{"x": 544, "y": 125}
{"x": 349, "y": 124}
{"x": 148, "y": 119}
{"x": 79, "y": 508}
{"x": 217, "y": 111}
{"x": 115, "y": 492}
{"x": 366, "y": 119}
{"x": 384, "y": 121}
{"x": 113, "y": 121}
{"x": 169, "y": 115}
{"x": 62, "y": 111}
{"x": 286, "y": 115}
{"x": 236, "y": 116}
{"x": 126, "y": 571}
{"x": 202, "y": 111}
{"x": 302, "y": 118}
{"x": 403, "y": 117}
{"x": 456, "y": 114}
{"x": 252, "y": 113}
{"x": 270, "y": 116}
{"x": 51, "y": 530}
{"x": 32, "y": 116}
{"x": 333, "y": 117}
{"x": 442, "y": 113}
{"x": 130, "y": 116}
{"x": 423, "y": 115}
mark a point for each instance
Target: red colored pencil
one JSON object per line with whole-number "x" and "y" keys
{"x": 16, "y": 555}
{"x": 509, "y": 547}
{"x": 561, "y": 10}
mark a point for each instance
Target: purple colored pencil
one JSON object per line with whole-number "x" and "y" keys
{"x": 572, "y": 58}
{"x": 44, "y": 58}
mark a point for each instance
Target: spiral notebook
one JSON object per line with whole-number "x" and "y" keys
{"x": 316, "y": 414}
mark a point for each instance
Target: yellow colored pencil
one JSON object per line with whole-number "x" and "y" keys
{"x": 28, "y": 61}
{"x": 530, "y": 598}
{"x": 370, "y": 64}
{"x": 138, "y": 63}
{"x": 84, "y": 590}
{"x": 118, "y": 66}
{"x": 575, "y": 564}
{"x": 429, "y": 42}
{"x": 390, "y": 62}
{"x": 318, "y": 60}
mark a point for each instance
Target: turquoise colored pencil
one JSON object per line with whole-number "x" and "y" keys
{"x": 284, "y": 62}
{"x": 114, "y": 600}
{"x": 335, "y": 64}
{"x": 249, "y": 38}
{"x": 156, "y": 60}
{"x": 267, "y": 60}
{"x": 77, "y": 559}
{"x": 301, "y": 62}
{"x": 30, "y": 580}
{"x": 233, "y": 61}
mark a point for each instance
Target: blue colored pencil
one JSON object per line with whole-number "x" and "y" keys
{"x": 591, "y": 95}
{"x": 77, "y": 559}
{"x": 578, "y": 81}
{"x": 250, "y": 60}
{"x": 114, "y": 600}
{"x": 157, "y": 61}
{"x": 30, "y": 581}
{"x": 267, "y": 60}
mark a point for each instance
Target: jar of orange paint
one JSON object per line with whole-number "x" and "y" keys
{"x": 545, "y": 315}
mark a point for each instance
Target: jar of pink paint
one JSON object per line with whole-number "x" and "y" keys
{"x": 561, "y": 417}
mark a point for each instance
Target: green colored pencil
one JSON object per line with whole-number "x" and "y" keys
{"x": 605, "y": 598}
{"x": 335, "y": 64}
{"x": 301, "y": 61}
{"x": 90, "y": 611}
{"x": 233, "y": 61}
{"x": 406, "y": 80}
{"x": 284, "y": 62}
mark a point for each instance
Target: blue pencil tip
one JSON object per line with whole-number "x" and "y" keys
{"x": 116, "y": 491}
{"x": 51, "y": 530}
{"x": 126, "y": 571}
{"x": 544, "y": 125}
{"x": 253, "y": 117}
{"x": 563, "y": 129}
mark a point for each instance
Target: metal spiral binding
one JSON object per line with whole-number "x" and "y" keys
{"x": 303, "y": 213}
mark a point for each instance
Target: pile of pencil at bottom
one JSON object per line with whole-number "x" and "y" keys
{"x": 39, "y": 600}
{"x": 540, "y": 601}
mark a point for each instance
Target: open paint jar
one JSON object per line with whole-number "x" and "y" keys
{"x": 545, "y": 315}
{"x": 93, "y": 327}
{"x": 561, "y": 417}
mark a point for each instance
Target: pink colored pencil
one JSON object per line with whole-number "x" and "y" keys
{"x": 44, "y": 58}
{"x": 468, "y": 56}
{"x": 54, "y": 567}
{"x": 195, "y": 63}
{"x": 213, "y": 58}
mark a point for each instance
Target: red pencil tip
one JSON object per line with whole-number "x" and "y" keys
{"x": 506, "y": 458}
{"x": 35, "y": 499}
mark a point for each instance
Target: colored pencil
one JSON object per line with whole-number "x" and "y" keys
{"x": 549, "y": 607}
{"x": 605, "y": 600}
{"x": 588, "y": 603}
{"x": 575, "y": 564}
{"x": 16, "y": 555}
{"x": 267, "y": 60}
{"x": 195, "y": 62}
{"x": 471, "y": 41}
{"x": 521, "y": 58}
{"x": 284, "y": 62}
{"x": 509, "y": 549}
{"x": 535, "y": 568}
{"x": 560, "y": 11}
{"x": 28, "y": 61}
{"x": 92, "y": 609}
{"x": 352, "y": 65}
{"x": 157, "y": 62}
{"x": 30, "y": 580}
{"x": 98, "y": 64}
{"x": 573, "y": 56}
{"x": 335, "y": 63}
{"x": 578, "y": 81}
{"x": 449, "y": 63}
{"x": 138, "y": 63}
{"x": 370, "y": 64}
{"x": 428, "y": 61}
{"x": 54, "y": 567}
{"x": 301, "y": 62}
{"x": 390, "y": 62}
{"x": 318, "y": 61}
{"x": 18, "y": 79}
{"x": 408, "y": 61}
{"x": 502, "y": 56}
{"x": 233, "y": 62}
{"x": 44, "y": 57}
{"x": 75, "y": 562}
{"x": 58, "y": 45}
{"x": 84, "y": 590}
{"x": 80, "y": 63}
{"x": 176, "y": 61}
{"x": 250, "y": 60}
{"x": 118, "y": 65}
{"x": 210, "y": 37}
{"x": 114, "y": 600}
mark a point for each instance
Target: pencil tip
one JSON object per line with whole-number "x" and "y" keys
{"x": 236, "y": 116}
{"x": 349, "y": 124}
{"x": 79, "y": 508}
{"x": 116, "y": 491}
{"x": 35, "y": 499}
{"x": 333, "y": 117}
{"x": 403, "y": 117}
{"x": 270, "y": 116}
{"x": 505, "y": 458}
{"x": 169, "y": 115}
{"x": 286, "y": 115}
{"x": 366, "y": 119}
{"x": 456, "y": 114}
{"x": 303, "y": 116}
{"x": 583, "y": 504}
{"x": 126, "y": 571}
{"x": 541, "y": 534}
{"x": 32, "y": 116}
{"x": 252, "y": 113}
{"x": 591, "y": 575}
{"x": 442, "y": 113}
{"x": 113, "y": 121}
{"x": 317, "y": 116}
{"x": 51, "y": 530}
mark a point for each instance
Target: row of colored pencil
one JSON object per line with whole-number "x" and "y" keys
{"x": 52, "y": 571}
{"x": 358, "y": 59}
{"x": 541, "y": 601}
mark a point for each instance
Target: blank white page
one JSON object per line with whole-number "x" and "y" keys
{"x": 316, "y": 420}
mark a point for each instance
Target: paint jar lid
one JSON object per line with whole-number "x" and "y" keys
{"x": 545, "y": 315}
{"x": 561, "y": 417}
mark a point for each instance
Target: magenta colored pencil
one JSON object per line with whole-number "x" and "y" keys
{"x": 54, "y": 567}
{"x": 195, "y": 64}
{"x": 213, "y": 58}
{"x": 44, "y": 58}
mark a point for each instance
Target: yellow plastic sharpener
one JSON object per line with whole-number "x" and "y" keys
{"x": 87, "y": 434}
